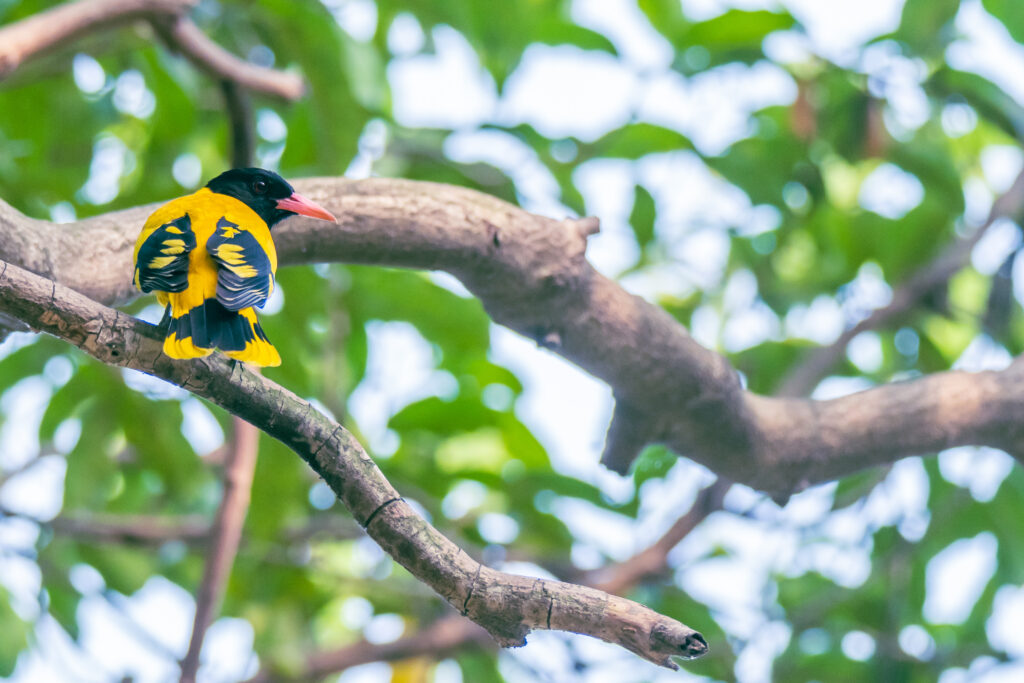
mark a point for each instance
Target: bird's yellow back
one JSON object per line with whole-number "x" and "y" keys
{"x": 209, "y": 213}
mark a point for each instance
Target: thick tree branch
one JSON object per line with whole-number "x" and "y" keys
{"x": 225, "y": 537}
{"x": 508, "y": 606}
{"x": 802, "y": 379}
{"x": 44, "y": 31}
{"x": 531, "y": 274}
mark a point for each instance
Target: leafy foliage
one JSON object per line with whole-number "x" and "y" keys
{"x": 805, "y": 247}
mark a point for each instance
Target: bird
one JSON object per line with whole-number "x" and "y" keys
{"x": 210, "y": 258}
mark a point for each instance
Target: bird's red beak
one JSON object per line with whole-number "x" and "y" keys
{"x": 296, "y": 203}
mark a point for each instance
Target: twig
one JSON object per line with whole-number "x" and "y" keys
{"x": 438, "y": 639}
{"x": 225, "y": 537}
{"x": 802, "y": 378}
{"x": 239, "y": 111}
{"x": 41, "y": 32}
{"x": 140, "y": 529}
{"x": 508, "y": 606}
{"x": 182, "y": 34}
{"x": 652, "y": 560}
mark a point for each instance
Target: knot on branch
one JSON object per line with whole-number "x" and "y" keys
{"x": 584, "y": 227}
{"x": 627, "y": 436}
{"x": 676, "y": 640}
{"x": 548, "y": 338}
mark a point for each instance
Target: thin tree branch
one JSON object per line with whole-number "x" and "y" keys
{"x": 55, "y": 27}
{"x": 652, "y": 560}
{"x": 803, "y": 377}
{"x": 239, "y": 110}
{"x": 243, "y": 449}
{"x": 438, "y": 639}
{"x": 135, "y": 530}
{"x": 531, "y": 274}
{"x": 183, "y": 35}
{"x": 508, "y": 606}
{"x": 151, "y": 530}
{"x": 451, "y": 634}
{"x": 225, "y": 537}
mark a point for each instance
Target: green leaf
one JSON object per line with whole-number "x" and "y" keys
{"x": 642, "y": 217}
{"x": 737, "y": 30}
{"x": 636, "y": 140}
{"x": 991, "y": 101}
{"x": 1011, "y": 13}
{"x": 13, "y": 635}
{"x": 925, "y": 24}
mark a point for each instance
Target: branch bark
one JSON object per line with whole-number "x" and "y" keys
{"x": 225, "y": 537}
{"x": 451, "y": 634}
{"x": 531, "y": 274}
{"x": 438, "y": 639}
{"x": 54, "y": 28}
{"x": 183, "y": 35}
{"x": 44, "y": 31}
{"x": 507, "y": 606}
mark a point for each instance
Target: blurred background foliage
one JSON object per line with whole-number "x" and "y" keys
{"x": 766, "y": 223}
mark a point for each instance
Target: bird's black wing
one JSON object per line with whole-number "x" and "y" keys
{"x": 162, "y": 261}
{"x": 245, "y": 276}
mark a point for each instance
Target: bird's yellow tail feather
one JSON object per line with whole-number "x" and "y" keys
{"x": 197, "y": 332}
{"x": 258, "y": 350}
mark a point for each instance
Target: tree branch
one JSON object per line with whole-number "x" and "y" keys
{"x": 508, "y": 606}
{"x": 531, "y": 274}
{"x": 238, "y": 107}
{"x": 44, "y": 31}
{"x": 438, "y": 639}
{"x": 183, "y": 35}
{"x": 803, "y": 377}
{"x": 451, "y": 634}
{"x": 137, "y": 530}
{"x": 652, "y": 560}
{"x": 225, "y": 537}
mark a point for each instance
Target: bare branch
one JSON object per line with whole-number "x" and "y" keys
{"x": 137, "y": 530}
{"x": 243, "y": 136}
{"x": 438, "y": 639}
{"x": 508, "y": 606}
{"x": 44, "y": 31}
{"x": 225, "y": 537}
{"x": 451, "y": 634}
{"x": 653, "y": 560}
{"x": 183, "y": 35}
{"x": 804, "y": 376}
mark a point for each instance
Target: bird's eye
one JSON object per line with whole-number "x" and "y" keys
{"x": 259, "y": 187}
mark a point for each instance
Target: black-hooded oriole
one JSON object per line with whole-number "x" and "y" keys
{"x": 210, "y": 258}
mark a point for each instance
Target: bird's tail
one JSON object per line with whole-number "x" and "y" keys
{"x": 197, "y": 332}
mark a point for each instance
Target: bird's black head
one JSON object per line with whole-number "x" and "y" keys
{"x": 266, "y": 193}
